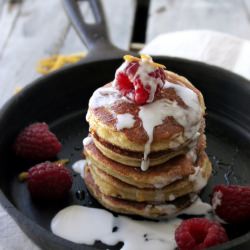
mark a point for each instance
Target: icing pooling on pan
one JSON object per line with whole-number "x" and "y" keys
{"x": 87, "y": 225}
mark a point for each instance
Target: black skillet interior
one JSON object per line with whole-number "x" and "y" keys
{"x": 61, "y": 100}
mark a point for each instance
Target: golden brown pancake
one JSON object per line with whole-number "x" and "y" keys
{"x": 132, "y": 158}
{"x": 147, "y": 160}
{"x": 144, "y": 209}
{"x": 157, "y": 176}
{"x": 166, "y": 136}
{"x": 112, "y": 186}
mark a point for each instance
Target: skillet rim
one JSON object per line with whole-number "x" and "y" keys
{"x": 24, "y": 222}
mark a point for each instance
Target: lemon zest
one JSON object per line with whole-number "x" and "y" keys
{"x": 55, "y": 62}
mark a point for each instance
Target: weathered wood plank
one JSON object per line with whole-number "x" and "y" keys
{"x": 246, "y": 3}
{"x": 1, "y": 6}
{"x": 9, "y": 13}
{"x": 39, "y": 31}
{"x": 228, "y": 16}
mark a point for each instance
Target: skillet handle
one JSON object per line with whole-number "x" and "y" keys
{"x": 94, "y": 36}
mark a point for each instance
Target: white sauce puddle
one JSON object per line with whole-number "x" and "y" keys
{"x": 198, "y": 208}
{"x": 86, "y": 225}
{"x": 78, "y": 167}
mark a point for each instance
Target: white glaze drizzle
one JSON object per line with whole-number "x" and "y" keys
{"x": 171, "y": 197}
{"x": 153, "y": 114}
{"x": 79, "y": 166}
{"x": 198, "y": 179}
{"x": 169, "y": 209}
{"x": 104, "y": 97}
{"x": 87, "y": 225}
{"x": 216, "y": 200}
{"x": 198, "y": 207}
{"x": 87, "y": 140}
{"x": 125, "y": 121}
{"x": 192, "y": 154}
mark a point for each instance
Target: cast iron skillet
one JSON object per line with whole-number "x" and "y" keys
{"x": 61, "y": 100}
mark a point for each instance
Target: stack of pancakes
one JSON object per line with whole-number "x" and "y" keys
{"x": 178, "y": 167}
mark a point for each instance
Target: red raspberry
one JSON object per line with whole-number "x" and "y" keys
{"x": 36, "y": 142}
{"x": 141, "y": 94}
{"x": 49, "y": 181}
{"x": 158, "y": 73}
{"x": 134, "y": 89}
{"x": 199, "y": 233}
{"x": 124, "y": 84}
{"x": 132, "y": 68}
{"x": 232, "y": 203}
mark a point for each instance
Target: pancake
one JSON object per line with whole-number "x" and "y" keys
{"x": 144, "y": 209}
{"x": 131, "y": 158}
{"x": 112, "y": 186}
{"x": 145, "y": 151}
{"x": 168, "y": 135}
{"x": 155, "y": 177}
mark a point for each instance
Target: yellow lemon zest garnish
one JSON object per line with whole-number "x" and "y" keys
{"x": 147, "y": 58}
{"x": 17, "y": 89}
{"x": 55, "y": 62}
{"x": 150, "y": 60}
{"x": 130, "y": 58}
{"x": 158, "y": 65}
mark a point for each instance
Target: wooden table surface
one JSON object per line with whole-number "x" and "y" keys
{"x": 33, "y": 29}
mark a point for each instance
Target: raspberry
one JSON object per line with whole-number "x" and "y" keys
{"x": 124, "y": 84}
{"x": 132, "y": 68}
{"x": 199, "y": 233}
{"x": 141, "y": 94}
{"x": 137, "y": 83}
{"x": 36, "y": 142}
{"x": 232, "y": 203}
{"x": 49, "y": 181}
{"x": 158, "y": 73}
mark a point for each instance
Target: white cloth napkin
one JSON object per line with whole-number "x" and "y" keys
{"x": 210, "y": 47}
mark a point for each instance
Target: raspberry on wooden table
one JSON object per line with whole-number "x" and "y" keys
{"x": 49, "y": 181}
{"x": 37, "y": 142}
{"x": 199, "y": 233}
{"x": 232, "y": 203}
